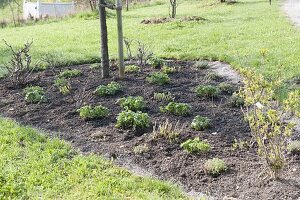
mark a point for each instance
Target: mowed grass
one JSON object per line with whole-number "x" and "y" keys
{"x": 33, "y": 166}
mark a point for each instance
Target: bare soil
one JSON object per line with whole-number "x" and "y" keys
{"x": 164, "y": 159}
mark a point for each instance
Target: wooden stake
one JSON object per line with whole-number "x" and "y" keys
{"x": 120, "y": 38}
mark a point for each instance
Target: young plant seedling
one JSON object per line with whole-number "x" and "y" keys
{"x": 159, "y": 78}
{"x": 132, "y": 69}
{"x": 140, "y": 149}
{"x": 207, "y": 91}
{"x": 156, "y": 62}
{"x": 93, "y": 112}
{"x": 70, "y": 73}
{"x": 200, "y": 123}
{"x": 63, "y": 86}
{"x": 167, "y": 130}
{"x": 108, "y": 90}
{"x": 132, "y": 103}
{"x": 34, "y": 94}
{"x": 201, "y": 64}
{"x": 163, "y": 97}
{"x": 179, "y": 109}
{"x": 95, "y": 66}
{"x": 294, "y": 147}
{"x": 236, "y": 101}
{"x": 168, "y": 70}
{"x": 215, "y": 167}
{"x": 196, "y": 146}
{"x": 135, "y": 120}
{"x": 226, "y": 88}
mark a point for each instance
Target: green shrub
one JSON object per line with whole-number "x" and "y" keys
{"x": 156, "y": 62}
{"x": 168, "y": 70}
{"x": 202, "y": 64}
{"x": 132, "y": 103}
{"x": 163, "y": 97}
{"x": 236, "y": 101}
{"x": 136, "y": 120}
{"x": 207, "y": 91}
{"x": 34, "y": 94}
{"x": 179, "y": 109}
{"x": 159, "y": 78}
{"x": 96, "y": 112}
{"x": 167, "y": 130}
{"x": 226, "y": 88}
{"x": 95, "y": 66}
{"x": 109, "y": 89}
{"x": 70, "y": 73}
{"x": 132, "y": 69}
{"x": 200, "y": 123}
{"x": 212, "y": 76}
{"x": 294, "y": 147}
{"x": 196, "y": 146}
{"x": 140, "y": 149}
{"x": 215, "y": 167}
{"x": 63, "y": 85}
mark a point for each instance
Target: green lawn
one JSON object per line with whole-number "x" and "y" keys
{"x": 233, "y": 33}
{"x": 33, "y": 166}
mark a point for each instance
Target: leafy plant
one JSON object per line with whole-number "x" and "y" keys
{"x": 226, "y": 88}
{"x": 168, "y": 70}
{"x": 70, "y": 73}
{"x": 63, "y": 85}
{"x": 163, "y": 97}
{"x": 236, "y": 100}
{"x": 159, "y": 78}
{"x": 109, "y": 89}
{"x": 136, "y": 120}
{"x": 156, "y": 62}
{"x": 292, "y": 103}
{"x": 144, "y": 53}
{"x": 140, "y": 149}
{"x": 196, "y": 146}
{"x": 215, "y": 167}
{"x": 95, "y": 66}
{"x": 132, "y": 69}
{"x": 167, "y": 130}
{"x": 201, "y": 64}
{"x": 34, "y": 94}
{"x": 179, "y": 109}
{"x": 212, "y": 76}
{"x": 200, "y": 123}
{"x": 132, "y": 103}
{"x": 93, "y": 112}
{"x": 294, "y": 147}
{"x": 207, "y": 91}
{"x": 239, "y": 145}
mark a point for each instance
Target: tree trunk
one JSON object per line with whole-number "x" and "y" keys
{"x": 127, "y": 5}
{"x": 120, "y": 38}
{"x": 104, "y": 41}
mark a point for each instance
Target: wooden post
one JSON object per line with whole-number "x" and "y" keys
{"x": 120, "y": 38}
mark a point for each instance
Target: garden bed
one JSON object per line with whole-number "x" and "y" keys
{"x": 162, "y": 158}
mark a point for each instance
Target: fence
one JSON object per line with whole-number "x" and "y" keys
{"x": 39, "y": 9}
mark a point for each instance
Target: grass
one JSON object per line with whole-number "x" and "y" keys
{"x": 232, "y": 33}
{"x": 33, "y": 166}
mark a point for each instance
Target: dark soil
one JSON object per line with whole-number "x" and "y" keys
{"x": 164, "y": 159}
{"x": 166, "y": 20}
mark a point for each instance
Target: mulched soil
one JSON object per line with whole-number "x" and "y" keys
{"x": 166, "y": 20}
{"x": 164, "y": 159}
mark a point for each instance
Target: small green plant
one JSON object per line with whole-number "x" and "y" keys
{"x": 70, "y": 73}
{"x": 236, "y": 101}
{"x": 159, "y": 78}
{"x": 34, "y": 94}
{"x": 156, "y": 62}
{"x": 294, "y": 147}
{"x": 196, "y": 146}
{"x": 239, "y": 145}
{"x": 109, "y": 89}
{"x": 200, "y": 123}
{"x": 140, "y": 149}
{"x": 215, "y": 167}
{"x": 168, "y": 70}
{"x": 207, "y": 91}
{"x": 226, "y": 88}
{"x": 163, "y": 97}
{"x": 136, "y": 120}
{"x": 63, "y": 85}
{"x": 95, "y": 66}
{"x": 292, "y": 103}
{"x": 132, "y": 69}
{"x": 179, "y": 109}
{"x": 93, "y": 112}
{"x": 202, "y": 64}
{"x": 167, "y": 130}
{"x": 212, "y": 76}
{"x": 132, "y": 103}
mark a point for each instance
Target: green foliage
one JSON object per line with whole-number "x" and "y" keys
{"x": 200, "y": 123}
{"x": 70, "y": 73}
{"x": 215, "y": 167}
{"x": 140, "y": 149}
{"x": 136, "y": 120}
{"x": 294, "y": 147}
{"x": 156, "y": 62}
{"x": 212, "y": 76}
{"x": 207, "y": 91}
{"x": 109, "y": 89}
{"x": 132, "y": 103}
{"x": 226, "y": 88}
{"x": 159, "y": 78}
{"x": 63, "y": 85}
{"x": 236, "y": 100}
{"x": 201, "y": 64}
{"x": 93, "y": 112}
{"x": 95, "y": 66}
{"x": 132, "y": 69}
{"x": 167, "y": 130}
{"x": 168, "y": 70}
{"x": 292, "y": 103}
{"x": 179, "y": 109}
{"x": 239, "y": 145}
{"x": 34, "y": 94}
{"x": 196, "y": 146}
{"x": 163, "y": 97}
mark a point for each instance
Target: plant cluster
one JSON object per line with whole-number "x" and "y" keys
{"x": 132, "y": 69}
{"x": 202, "y": 64}
{"x": 226, "y": 88}
{"x": 200, "y": 123}
{"x": 132, "y": 103}
{"x": 196, "y": 146}
{"x": 163, "y": 97}
{"x": 294, "y": 147}
{"x": 63, "y": 85}
{"x": 236, "y": 100}
{"x": 70, "y": 73}
{"x": 140, "y": 149}
{"x": 109, "y": 89}
{"x": 159, "y": 78}
{"x": 168, "y": 70}
{"x": 239, "y": 145}
{"x": 167, "y": 130}
{"x": 156, "y": 62}
{"x": 34, "y": 94}
{"x": 179, "y": 109}
{"x": 95, "y": 66}
{"x": 212, "y": 76}
{"x": 136, "y": 120}
{"x": 215, "y": 167}
{"x": 292, "y": 103}
{"x": 207, "y": 91}
{"x": 93, "y": 112}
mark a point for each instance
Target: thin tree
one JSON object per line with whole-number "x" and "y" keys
{"x": 173, "y": 5}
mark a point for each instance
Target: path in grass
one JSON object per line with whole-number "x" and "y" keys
{"x": 292, "y": 8}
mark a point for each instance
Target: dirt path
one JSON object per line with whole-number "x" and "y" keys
{"x": 292, "y": 9}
